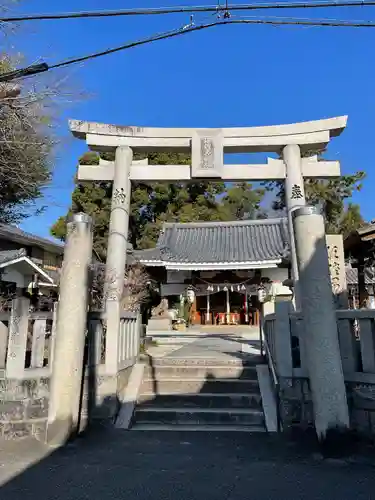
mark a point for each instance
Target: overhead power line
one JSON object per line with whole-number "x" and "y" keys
{"x": 188, "y": 9}
{"x": 39, "y": 68}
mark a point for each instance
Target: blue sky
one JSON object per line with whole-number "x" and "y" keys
{"x": 231, "y": 76}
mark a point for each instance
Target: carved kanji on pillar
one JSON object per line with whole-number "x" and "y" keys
{"x": 119, "y": 196}
{"x": 336, "y": 262}
{"x": 296, "y": 192}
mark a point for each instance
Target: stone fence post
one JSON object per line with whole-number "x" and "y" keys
{"x": 17, "y": 338}
{"x": 67, "y": 369}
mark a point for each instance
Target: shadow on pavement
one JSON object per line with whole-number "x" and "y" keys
{"x": 107, "y": 463}
{"x": 149, "y": 465}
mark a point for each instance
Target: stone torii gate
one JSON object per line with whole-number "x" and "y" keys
{"x": 296, "y": 143}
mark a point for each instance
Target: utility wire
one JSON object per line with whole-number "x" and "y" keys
{"x": 183, "y": 31}
{"x": 189, "y": 9}
{"x": 39, "y": 68}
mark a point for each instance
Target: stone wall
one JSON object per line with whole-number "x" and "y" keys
{"x": 361, "y": 398}
{"x": 24, "y": 403}
{"x": 23, "y": 407}
{"x": 296, "y": 409}
{"x": 295, "y": 403}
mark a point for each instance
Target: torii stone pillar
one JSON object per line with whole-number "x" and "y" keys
{"x": 116, "y": 253}
{"x": 320, "y": 325}
{"x": 295, "y": 197}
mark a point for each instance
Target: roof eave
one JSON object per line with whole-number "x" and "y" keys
{"x": 216, "y": 266}
{"x": 30, "y": 241}
{"x": 151, "y": 263}
{"x": 36, "y": 268}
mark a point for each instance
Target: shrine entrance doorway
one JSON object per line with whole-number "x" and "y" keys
{"x": 227, "y": 307}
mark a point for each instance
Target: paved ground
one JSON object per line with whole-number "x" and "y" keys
{"x": 169, "y": 466}
{"x": 219, "y": 346}
{"x": 115, "y": 464}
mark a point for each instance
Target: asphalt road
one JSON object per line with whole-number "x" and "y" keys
{"x": 178, "y": 466}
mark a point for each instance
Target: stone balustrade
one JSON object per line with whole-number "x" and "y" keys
{"x": 285, "y": 335}
{"x": 26, "y": 364}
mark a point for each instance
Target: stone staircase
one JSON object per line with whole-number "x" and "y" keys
{"x": 199, "y": 395}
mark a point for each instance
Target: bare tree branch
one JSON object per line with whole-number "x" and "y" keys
{"x": 135, "y": 292}
{"x": 28, "y": 120}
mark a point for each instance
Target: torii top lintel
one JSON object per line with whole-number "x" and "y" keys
{"x": 311, "y": 135}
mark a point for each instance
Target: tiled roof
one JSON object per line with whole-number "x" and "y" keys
{"x": 219, "y": 242}
{"x": 149, "y": 255}
{"x": 352, "y": 276}
{"x": 13, "y": 233}
{"x": 9, "y": 255}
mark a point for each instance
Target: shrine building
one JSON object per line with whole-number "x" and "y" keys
{"x": 225, "y": 263}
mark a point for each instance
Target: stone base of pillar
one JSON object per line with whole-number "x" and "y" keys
{"x": 59, "y": 432}
{"x": 159, "y": 325}
{"x": 338, "y": 443}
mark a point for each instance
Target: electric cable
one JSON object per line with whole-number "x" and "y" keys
{"x": 39, "y": 68}
{"x": 188, "y": 9}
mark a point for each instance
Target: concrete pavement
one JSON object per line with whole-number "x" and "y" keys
{"x": 219, "y": 346}
{"x": 114, "y": 464}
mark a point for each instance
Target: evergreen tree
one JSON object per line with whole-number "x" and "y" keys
{"x": 331, "y": 196}
{"x": 152, "y": 205}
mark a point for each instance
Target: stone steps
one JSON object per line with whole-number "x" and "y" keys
{"x": 201, "y": 372}
{"x": 201, "y": 385}
{"x": 241, "y": 360}
{"x": 198, "y": 416}
{"x": 200, "y": 400}
{"x": 198, "y": 428}
{"x": 199, "y": 394}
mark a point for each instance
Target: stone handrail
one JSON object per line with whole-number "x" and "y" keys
{"x": 268, "y": 328}
{"x": 128, "y": 342}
